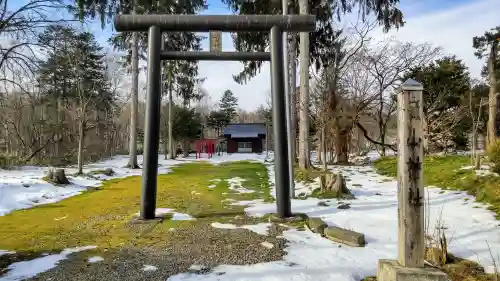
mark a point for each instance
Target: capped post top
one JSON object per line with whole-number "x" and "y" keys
{"x": 411, "y": 85}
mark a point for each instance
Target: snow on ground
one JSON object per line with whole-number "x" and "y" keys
{"x": 235, "y": 184}
{"x": 468, "y": 226}
{"x": 374, "y": 212}
{"x": 175, "y": 216}
{"x": 27, "y": 269}
{"x": 309, "y": 257}
{"x": 148, "y": 267}
{"x": 95, "y": 259}
{"x": 484, "y": 170}
{"x": 23, "y": 187}
{"x": 260, "y": 228}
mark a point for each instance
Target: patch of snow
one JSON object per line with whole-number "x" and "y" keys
{"x": 223, "y": 225}
{"x": 28, "y": 269}
{"x": 482, "y": 167}
{"x": 148, "y": 267}
{"x": 182, "y": 217}
{"x": 5, "y": 252}
{"x": 267, "y": 245}
{"x": 486, "y": 173}
{"x": 374, "y": 213}
{"x": 95, "y": 259}
{"x": 235, "y": 184}
{"x": 23, "y": 187}
{"x": 160, "y": 211}
{"x": 197, "y": 267}
{"x": 212, "y": 186}
{"x": 260, "y": 228}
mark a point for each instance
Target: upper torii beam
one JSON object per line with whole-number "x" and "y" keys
{"x": 205, "y": 23}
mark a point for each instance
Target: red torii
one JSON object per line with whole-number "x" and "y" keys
{"x": 205, "y": 145}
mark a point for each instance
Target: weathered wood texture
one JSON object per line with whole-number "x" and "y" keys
{"x": 411, "y": 243}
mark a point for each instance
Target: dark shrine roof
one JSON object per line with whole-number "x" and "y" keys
{"x": 245, "y": 130}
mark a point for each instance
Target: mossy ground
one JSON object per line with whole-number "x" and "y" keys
{"x": 445, "y": 172}
{"x": 308, "y": 175}
{"x": 102, "y": 217}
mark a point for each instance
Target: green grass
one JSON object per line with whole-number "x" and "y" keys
{"x": 101, "y": 217}
{"x": 444, "y": 172}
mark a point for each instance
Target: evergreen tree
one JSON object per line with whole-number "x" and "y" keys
{"x": 228, "y": 104}
{"x": 76, "y": 75}
{"x": 326, "y": 11}
{"x": 187, "y": 124}
{"x": 217, "y": 120}
{"x": 447, "y": 84}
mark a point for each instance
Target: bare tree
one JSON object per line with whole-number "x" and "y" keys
{"x": 19, "y": 28}
{"x": 387, "y": 61}
{"x": 336, "y": 108}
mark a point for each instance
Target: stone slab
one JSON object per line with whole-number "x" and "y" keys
{"x": 345, "y": 236}
{"x": 390, "y": 270}
{"x": 316, "y": 225}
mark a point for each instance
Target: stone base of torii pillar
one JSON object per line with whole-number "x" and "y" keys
{"x": 411, "y": 243}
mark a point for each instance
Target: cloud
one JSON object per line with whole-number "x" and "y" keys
{"x": 452, "y": 29}
{"x": 449, "y": 27}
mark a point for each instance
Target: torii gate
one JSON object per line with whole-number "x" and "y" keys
{"x": 156, "y": 24}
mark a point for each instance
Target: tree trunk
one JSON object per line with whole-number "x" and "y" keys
{"x": 135, "y": 100}
{"x": 81, "y": 137}
{"x": 185, "y": 148}
{"x": 341, "y": 147}
{"x": 492, "y": 111}
{"x": 323, "y": 146}
{"x": 172, "y": 152}
{"x": 293, "y": 91}
{"x": 267, "y": 139}
{"x": 304, "y": 155}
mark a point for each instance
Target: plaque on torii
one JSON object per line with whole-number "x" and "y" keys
{"x": 215, "y": 41}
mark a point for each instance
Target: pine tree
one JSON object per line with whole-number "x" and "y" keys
{"x": 217, "y": 120}
{"x": 228, "y": 104}
{"x": 74, "y": 73}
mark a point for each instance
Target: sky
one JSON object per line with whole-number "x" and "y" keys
{"x": 450, "y": 24}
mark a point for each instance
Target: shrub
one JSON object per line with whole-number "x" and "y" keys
{"x": 494, "y": 156}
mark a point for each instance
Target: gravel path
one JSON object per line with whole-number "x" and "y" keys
{"x": 200, "y": 245}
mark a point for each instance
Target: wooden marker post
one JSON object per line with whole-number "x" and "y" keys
{"x": 411, "y": 242}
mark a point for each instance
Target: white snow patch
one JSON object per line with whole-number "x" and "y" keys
{"x": 267, "y": 245}
{"x": 95, "y": 259}
{"x": 212, "y": 186}
{"x": 28, "y": 269}
{"x": 161, "y": 211}
{"x": 260, "y": 228}
{"x": 373, "y": 213}
{"x": 235, "y": 184}
{"x": 223, "y": 225}
{"x": 182, "y": 217}
{"x": 148, "y": 267}
{"x": 23, "y": 187}
{"x": 5, "y": 252}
